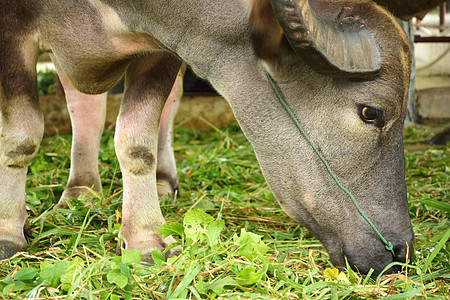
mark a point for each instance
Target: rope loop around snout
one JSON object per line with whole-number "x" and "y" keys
{"x": 389, "y": 246}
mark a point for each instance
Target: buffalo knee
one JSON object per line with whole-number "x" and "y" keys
{"x": 17, "y": 151}
{"x": 137, "y": 156}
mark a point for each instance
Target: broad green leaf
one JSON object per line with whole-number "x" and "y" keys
{"x": 158, "y": 257}
{"x": 8, "y": 289}
{"x": 16, "y": 287}
{"x": 172, "y": 246}
{"x": 8, "y": 280}
{"x": 45, "y": 264}
{"x": 251, "y": 244}
{"x": 125, "y": 269}
{"x": 131, "y": 256}
{"x": 214, "y": 230}
{"x": 218, "y": 285}
{"x": 206, "y": 205}
{"x": 116, "y": 277}
{"x": 26, "y": 274}
{"x": 195, "y": 223}
{"x": 247, "y": 238}
{"x": 76, "y": 265}
{"x": 248, "y": 276}
{"x": 172, "y": 228}
{"x": 196, "y": 217}
{"x": 52, "y": 274}
{"x": 116, "y": 259}
{"x": 171, "y": 260}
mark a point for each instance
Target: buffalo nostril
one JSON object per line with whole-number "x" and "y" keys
{"x": 403, "y": 252}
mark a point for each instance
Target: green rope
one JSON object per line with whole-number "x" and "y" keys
{"x": 388, "y": 244}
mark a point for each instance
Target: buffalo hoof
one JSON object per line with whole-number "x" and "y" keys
{"x": 72, "y": 192}
{"x": 147, "y": 257}
{"x": 167, "y": 188}
{"x": 442, "y": 138}
{"x": 9, "y": 248}
{"x": 27, "y": 231}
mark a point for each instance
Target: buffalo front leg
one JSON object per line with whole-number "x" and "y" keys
{"x": 87, "y": 115}
{"x": 21, "y": 131}
{"x": 147, "y": 85}
{"x": 166, "y": 172}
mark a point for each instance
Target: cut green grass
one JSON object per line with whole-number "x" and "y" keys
{"x": 237, "y": 242}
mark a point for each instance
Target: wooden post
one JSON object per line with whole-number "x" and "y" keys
{"x": 411, "y": 109}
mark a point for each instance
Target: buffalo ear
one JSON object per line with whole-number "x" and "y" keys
{"x": 332, "y": 37}
{"x": 266, "y": 33}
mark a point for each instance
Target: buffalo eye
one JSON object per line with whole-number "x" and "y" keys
{"x": 371, "y": 115}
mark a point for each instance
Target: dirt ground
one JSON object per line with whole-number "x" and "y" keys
{"x": 196, "y": 111}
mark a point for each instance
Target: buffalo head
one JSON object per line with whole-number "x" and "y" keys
{"x": 343, "y": 67}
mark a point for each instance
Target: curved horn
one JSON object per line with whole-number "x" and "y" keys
{"x": 406, "y": 9}
{"x": 330, "y": 37}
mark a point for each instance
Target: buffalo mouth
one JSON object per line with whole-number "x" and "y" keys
{"x": 373, "y": 258}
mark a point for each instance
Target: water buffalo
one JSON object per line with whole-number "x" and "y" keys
{"x": 342, "y": 66}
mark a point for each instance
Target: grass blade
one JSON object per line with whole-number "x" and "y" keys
{"x": 442, "y": 206}
{"x": 436, "y": 250}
